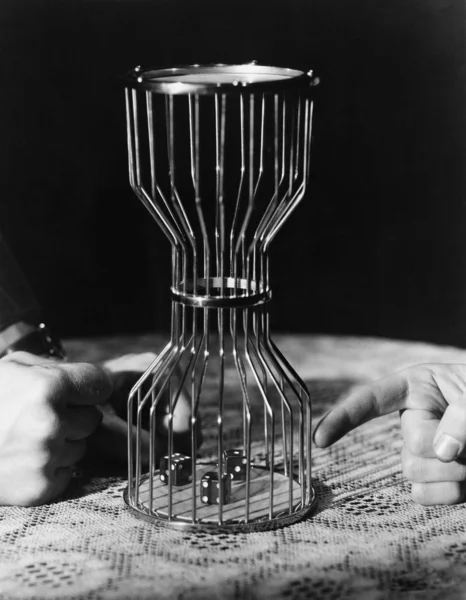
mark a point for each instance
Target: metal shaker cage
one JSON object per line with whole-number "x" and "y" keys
{"x": 219, "y": 156}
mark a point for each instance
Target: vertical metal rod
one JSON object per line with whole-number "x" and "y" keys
{"x": 284, "y": 437}
{"x": 168, "y": 219}
{"x": 171, "y": 170}
{"x": 270, "y": 446}
{"x": 246, "y": 409}
{"x": 129, "y": 137}
{"x": 219, "y": 179}
{"x": 221, "y": 384}
{"x": 251, "y": 179}
{"x": 220, "y": 247}
{"x": 131, "y": 458}
{"x": 174, "y": 196}
{"x": 194, "y": 156}
{"x": 159, "y": 363}
{"x": 255, "y": 238}
{"x": 298, "y": 138}
{"x": 136, "y": 139}
{"x": 195, "y": 396}
{"x": 291, "y": 160}
{"x": 308, "y": 448}
{"x": 289, "y": 373}
{"x": 309, "y": 121}
{"x": 267, "y": 363}
{"x": 250, "y": 205}
{"x": 195, "y": 162}
{"x": 234, "y": 247}
{"x": 152, "y": 446}
{"x": 150, "y": 128}
{"x": 138, "y": 449}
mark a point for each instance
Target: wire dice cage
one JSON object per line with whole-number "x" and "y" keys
{"x": 219, "y": 155}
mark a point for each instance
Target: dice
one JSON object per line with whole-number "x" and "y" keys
{"x": 234, "y": 462}
{"x": 210, "y": 488}
{"x": 181, "y": 469}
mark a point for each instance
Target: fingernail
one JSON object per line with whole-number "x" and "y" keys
{"x": 446, "y": 447}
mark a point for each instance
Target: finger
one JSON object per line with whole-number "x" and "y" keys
{"x": 89, "y": 384}
{"x": 110, "y": 440}
{"x": 27, "y": 359}
{"x": 48, "y": 490}
{"x": 363, "y": 404}
{"x": 61, "y": 480}
{"x": 133, "y": 363}
{"x": 418, "y": 428}
{"x": 179, "y": 411}
{"x": 450, "y": 437}
{"x": 431, "y": 494}
{"x": 430, "y": 470}
{"x": 81, "y": 421}
{"x": 181, "y": 430}
{"x": 71, "y": 453}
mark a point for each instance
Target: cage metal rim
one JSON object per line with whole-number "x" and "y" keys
{"x": 145, "y": 78}
{"x": 262, "y": 524}
{"x": 198, "y": 301}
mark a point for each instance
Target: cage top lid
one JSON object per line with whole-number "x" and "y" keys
{"x": 212, "y": 78}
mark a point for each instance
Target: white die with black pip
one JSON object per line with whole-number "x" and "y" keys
{"x": 181, "y": 469}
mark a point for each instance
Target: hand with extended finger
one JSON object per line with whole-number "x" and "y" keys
{"x": 432, "y": 401}
{"x": 47, "y": 411}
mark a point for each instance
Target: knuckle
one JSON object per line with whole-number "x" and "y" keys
{"x": 36, "y": 492}
{"x": 416, "y": 442}
{"x": 42, "y": 390}
{"x": 420, "y": 495}
{"x": 48, "y": 384}
{"x": 454, "y": 493}
{"x": 16, "y": 356}
{"x": 407, "y": 464}
{"x": 40, "y": 488}
{"x": 40, "y": 460}
{"x": 445, "y": 493}
{"x": 413, "y": 467}
{"x": 46, "y": 424}
{"x": 461, "y": 471}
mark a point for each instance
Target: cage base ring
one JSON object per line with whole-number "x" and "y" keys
{"x": 233, "y": 512}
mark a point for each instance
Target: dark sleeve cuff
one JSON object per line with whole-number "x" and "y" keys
{"x": 40, "y": 342}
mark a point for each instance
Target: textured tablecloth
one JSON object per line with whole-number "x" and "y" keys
{"x": 366, "y": 539}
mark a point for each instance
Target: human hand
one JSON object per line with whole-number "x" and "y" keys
{"x": 47, "y": 411}
{"x": 432, "y": 401}
{"x": 110, "y": 441}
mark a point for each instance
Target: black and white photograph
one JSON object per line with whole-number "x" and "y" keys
{"x": 232, "y": 300}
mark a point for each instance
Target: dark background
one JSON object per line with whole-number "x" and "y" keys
{"x": 378, "y": 245}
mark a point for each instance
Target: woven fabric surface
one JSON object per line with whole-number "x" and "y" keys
{"x": 366, "y": 538}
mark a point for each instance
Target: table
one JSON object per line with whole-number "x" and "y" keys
{"x": 366, "y": 539}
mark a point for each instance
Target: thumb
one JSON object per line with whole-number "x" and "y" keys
{"x": 450, "y": 437}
